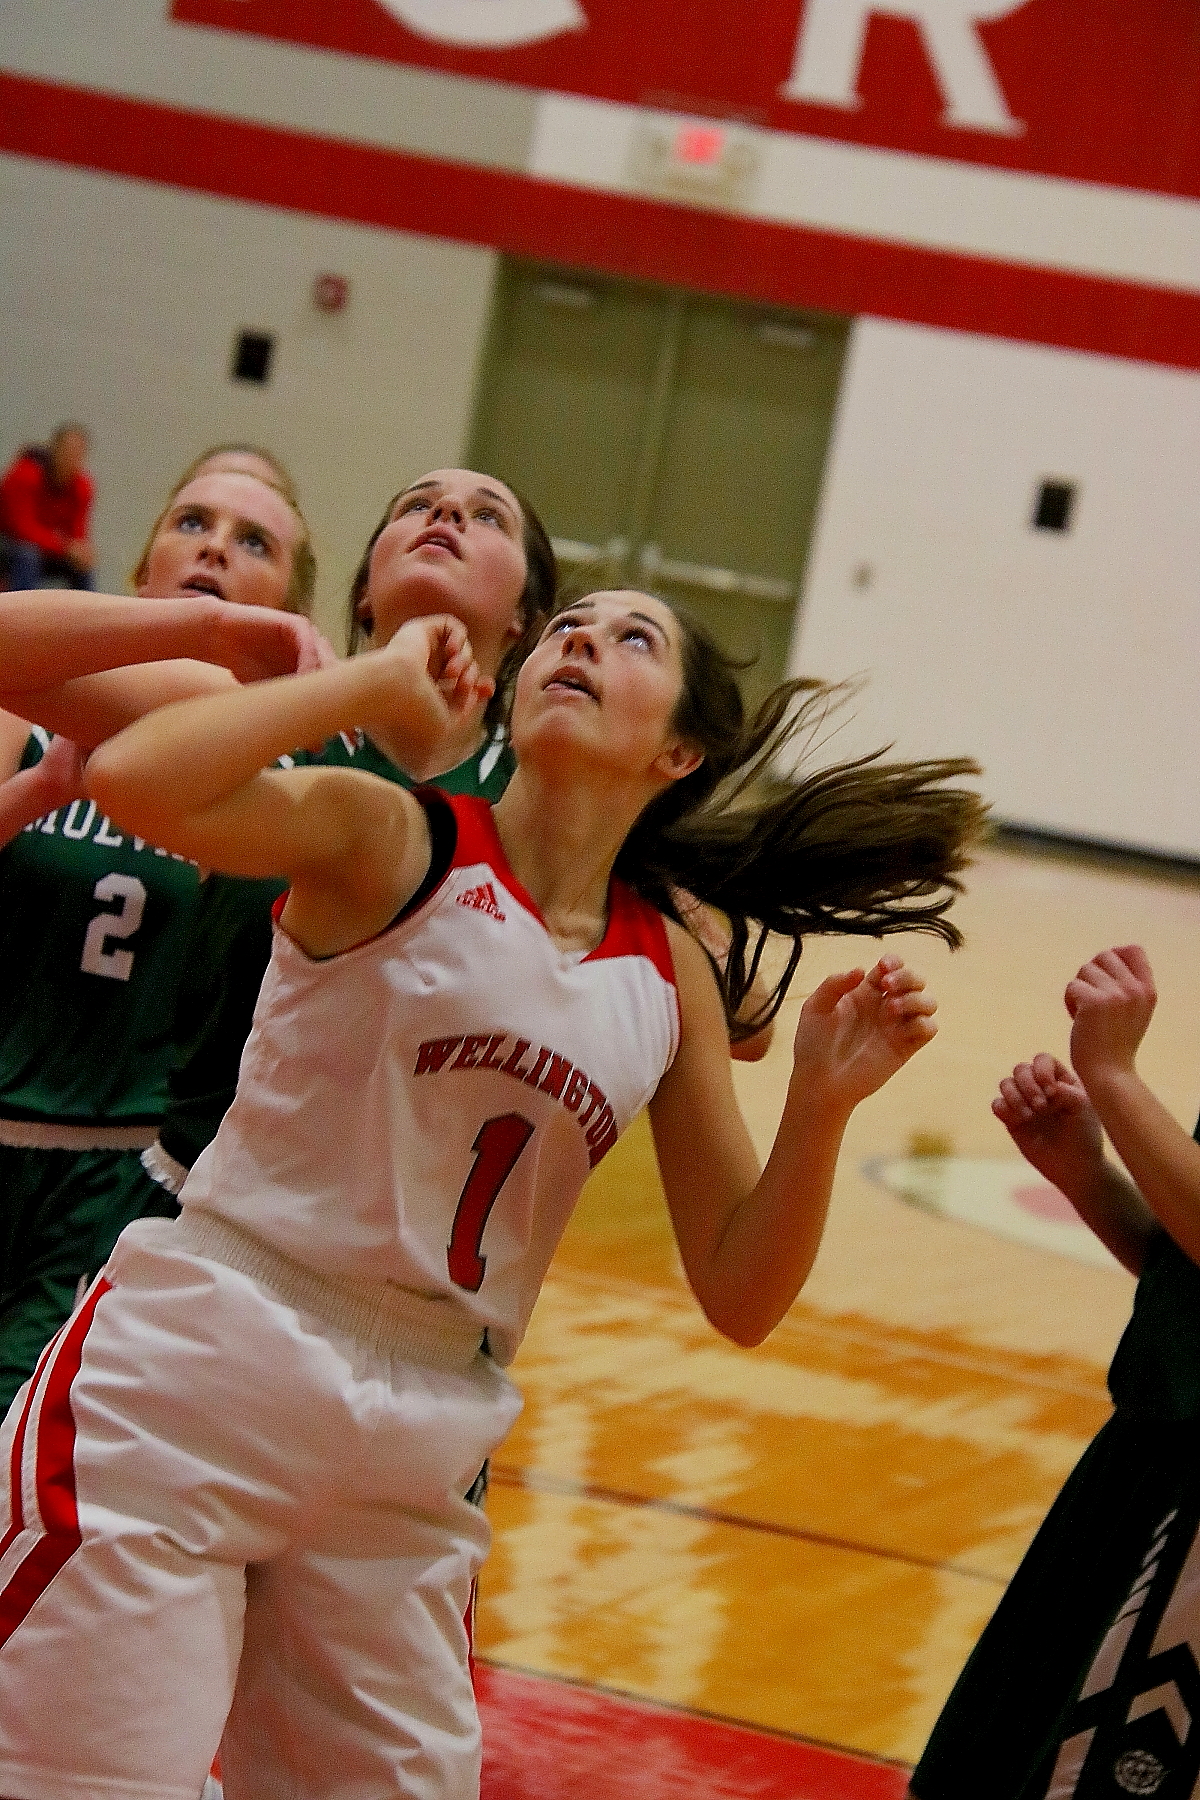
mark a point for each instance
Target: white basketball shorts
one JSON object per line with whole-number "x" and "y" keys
{"x": 218, "y": 1515}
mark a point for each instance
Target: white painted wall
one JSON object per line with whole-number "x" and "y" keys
{"x": 120, "y": 308}
{"x": 1069, "y": 664}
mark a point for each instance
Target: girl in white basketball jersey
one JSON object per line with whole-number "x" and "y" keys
{"x": 237, "y": 1474}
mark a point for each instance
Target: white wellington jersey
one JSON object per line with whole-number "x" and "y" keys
{"x": 424, "y": 1108}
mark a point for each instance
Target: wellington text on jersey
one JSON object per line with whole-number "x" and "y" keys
{"x": 544, "y": 1070}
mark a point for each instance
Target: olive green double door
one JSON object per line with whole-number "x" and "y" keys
{"x": 670, "y": 440}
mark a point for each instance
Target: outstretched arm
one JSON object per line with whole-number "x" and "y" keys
{"x": 1111, "y": 1002}
{"x": 748, "y": 1240}
{"x": 63, "y": 655}
{"x": 195, "y": 777}
{"x": 1047, "y": 1113}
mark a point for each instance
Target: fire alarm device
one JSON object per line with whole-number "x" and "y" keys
{"x": 330, "y": 293}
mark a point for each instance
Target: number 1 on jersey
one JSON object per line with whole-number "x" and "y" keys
{"x": 497, "y": 1147}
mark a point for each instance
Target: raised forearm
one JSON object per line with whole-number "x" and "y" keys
{"x": 91, "y": 708}
{"x": 1110, "y": 1205}
{"x": 50, "y": 637}
{"x": 181, "y": 759}
{"x": 1162, "y": 1159}
{"x": 769, "y": 1245}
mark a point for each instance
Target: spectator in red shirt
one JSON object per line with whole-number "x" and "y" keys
{"x": 45, "y": 502}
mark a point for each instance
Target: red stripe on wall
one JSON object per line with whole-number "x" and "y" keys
{"x": 55, "y": 1476}
{"x": 642, "y": 239}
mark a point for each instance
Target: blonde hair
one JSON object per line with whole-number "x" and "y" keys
{"x": 303, "y": 580}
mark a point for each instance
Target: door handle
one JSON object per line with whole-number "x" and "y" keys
{"x": 578, "y": 555}
{"x": 653, "y": 565}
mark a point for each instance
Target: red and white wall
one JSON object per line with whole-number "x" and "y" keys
{"x": 1005, "y": 196}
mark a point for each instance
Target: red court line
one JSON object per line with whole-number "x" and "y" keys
{"x": 620, "y": 234}
{"x": 552, "y": 1740}
{"x": 534, "y": 1481}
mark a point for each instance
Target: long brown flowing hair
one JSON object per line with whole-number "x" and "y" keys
{"x": 863, "y": 848}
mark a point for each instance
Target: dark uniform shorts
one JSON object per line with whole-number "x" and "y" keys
{"x": 61, "y": 1212}
{"x": 1086, "y": 1684}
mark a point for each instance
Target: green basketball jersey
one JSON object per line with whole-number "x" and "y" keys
{"x": 485, "y": 773}
{"x": 230, "y": 947}
{"x": 93, "y": 926}
{"x": 1156, "y": 1369}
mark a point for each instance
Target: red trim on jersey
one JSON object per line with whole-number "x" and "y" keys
{"x": 479, "y": 842}
{"x": 634, "y": 928}
{"x": 54, "y": 1473}
{"x": 16, "y": 1497}
{"x": 416, "y": 902}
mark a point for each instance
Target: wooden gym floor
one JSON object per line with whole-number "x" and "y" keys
{"x": 806, "y": 1539}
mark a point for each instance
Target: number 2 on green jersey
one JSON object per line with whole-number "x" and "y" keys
{"x": 97, "y": 959}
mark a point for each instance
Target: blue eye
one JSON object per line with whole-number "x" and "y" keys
{"x": 189, "y": 522}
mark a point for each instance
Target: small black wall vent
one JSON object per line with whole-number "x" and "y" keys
{"x": 252, "y": 355}
{"x": 1054, "y": 506}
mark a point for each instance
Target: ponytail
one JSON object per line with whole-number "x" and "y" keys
{"x": 863, "y": 848}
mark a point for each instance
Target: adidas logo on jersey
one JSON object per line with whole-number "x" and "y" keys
{"x": 483, "y": 899}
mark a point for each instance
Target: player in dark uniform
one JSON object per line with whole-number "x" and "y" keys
{"x": 93, "y": 930}
{"x": 1086, "y": 1683}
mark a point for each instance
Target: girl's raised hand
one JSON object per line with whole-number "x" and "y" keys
{"x": 858, "y": 1028}
{"x": 320, "y": 654}
{"x": 438, "y": 647}
{"x": 53, "y": 782}
{"x": 255, "y": 642}
{"x": 426, "y": 683}
{"x": 1044, "y": 1107}
{"x": 1111, "y": 1002}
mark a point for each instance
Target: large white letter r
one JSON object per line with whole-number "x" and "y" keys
{"x": 833, "y": 33}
